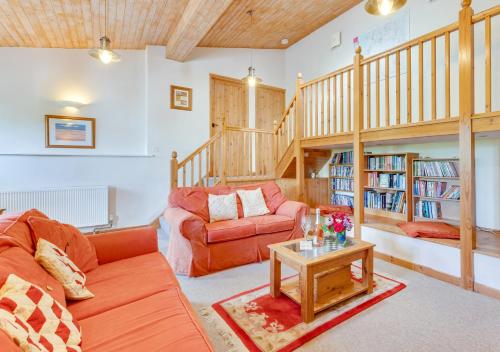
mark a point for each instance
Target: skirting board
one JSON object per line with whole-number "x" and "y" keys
{"x": 419, "y": 268}
{"x": 479, "y": 288}
{"x": 486, "y": 290}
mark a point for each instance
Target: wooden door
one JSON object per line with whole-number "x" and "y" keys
{"x": 269, "y": 107}
{"x": 229, "y": 103}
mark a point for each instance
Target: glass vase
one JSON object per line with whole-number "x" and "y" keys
{"x": 341, "y": 237}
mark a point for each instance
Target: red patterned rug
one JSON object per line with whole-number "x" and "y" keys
{"x": 254, "y": 321}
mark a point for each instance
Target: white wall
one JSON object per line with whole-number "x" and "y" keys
{"x": 35, "y": 80}
{"x": 136, "y": 130}
{"x": 185, "y": 130}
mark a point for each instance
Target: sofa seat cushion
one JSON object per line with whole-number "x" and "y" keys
{"x": 161, "y": 322}
{"x": 271, "y": 223}
{"x": 122, "y": 282}
{"x": 228, "y": 230}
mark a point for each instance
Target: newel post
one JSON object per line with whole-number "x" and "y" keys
{"x": 358, "y": 146}
{"x": 298, "y": 151}
{"x": 223, "y": 155}
{"x": 174, "y": 171}
{"x": 275, "y": 145}
{"x": 466, "y": 144}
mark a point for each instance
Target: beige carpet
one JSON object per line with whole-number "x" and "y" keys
{"x": 428, "y": 315}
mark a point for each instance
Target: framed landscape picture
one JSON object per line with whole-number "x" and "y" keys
{"x": 181, "y": 98}
{"x": 69, "y": 132}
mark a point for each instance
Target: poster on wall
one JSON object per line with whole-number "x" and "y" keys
{"x": 394, "y": 32}
{"x": 69, "y": 132}
{"x": 181, "y": 98}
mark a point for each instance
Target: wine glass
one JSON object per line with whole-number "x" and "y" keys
{"x": 306, "y": 225}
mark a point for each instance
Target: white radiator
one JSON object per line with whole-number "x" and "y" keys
{"x": 79, "y": 206}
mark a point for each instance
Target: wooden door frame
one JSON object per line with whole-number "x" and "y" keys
{"x": 214, "y": 77}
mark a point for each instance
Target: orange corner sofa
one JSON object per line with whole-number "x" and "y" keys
{"x": 198, "y": 247}
{"x": 138, "y": 304}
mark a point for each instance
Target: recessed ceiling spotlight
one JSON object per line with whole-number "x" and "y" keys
{"x": 284, "y": 41}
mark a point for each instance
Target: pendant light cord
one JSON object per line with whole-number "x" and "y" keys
{"x": 105, "y": 18}
{"x": 251, "y": 37}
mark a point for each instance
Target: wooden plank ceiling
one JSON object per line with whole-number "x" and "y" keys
{"x": 178, "y": 24}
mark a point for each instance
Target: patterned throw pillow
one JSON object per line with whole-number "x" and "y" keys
{"x": 58, "y": 264}
{"x": 222, "y": 207}
{"x": 253, "y": 203}
{"x": 34, "y": 320}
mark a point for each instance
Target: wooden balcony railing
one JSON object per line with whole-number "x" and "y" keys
{"x": 328, "y": 104}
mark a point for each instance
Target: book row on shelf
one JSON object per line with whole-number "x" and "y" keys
{"x": 342, "y": 171}
{"x": 436, "y": 189}
{"x": 397, "y": 181}
{"x": 342, "y": 184}
{"x": 428, "y": 209}
{"x": 435, "y": 168}
{"x": 343, "y": 158}
{"x": 387, "y": 162}
{"x": 389, "y": 201}
{"x": 340, "y": 199}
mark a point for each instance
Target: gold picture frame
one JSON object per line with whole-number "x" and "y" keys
{"x": 69, "y": 132}
{"x": 181, "y": 98}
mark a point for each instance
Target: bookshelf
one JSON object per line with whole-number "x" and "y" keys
{"x": 436, "y": 190}
{"x": 388, "y": 185}
{"x": 341, "y": 179}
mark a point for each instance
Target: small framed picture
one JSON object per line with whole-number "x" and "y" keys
{"x": 69, "y": 132}
{"x": 181, "y": 98}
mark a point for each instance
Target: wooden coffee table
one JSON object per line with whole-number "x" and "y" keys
{"x": 324, "y": 274}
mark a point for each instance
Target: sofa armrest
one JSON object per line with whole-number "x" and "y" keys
{"x": 121, "y": 244}
{"x": 292, "y": 209}
{"x": 189, "y": 225}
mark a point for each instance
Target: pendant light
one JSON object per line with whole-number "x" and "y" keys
{"x": 104, "y": 52}
{"x": 251, "y": 78}
{"x": 383, "y": 7}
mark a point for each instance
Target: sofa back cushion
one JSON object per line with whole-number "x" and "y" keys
{"x": 195, "y": 199}
{"x": 15, "y": 260}
{"x": 271, "y": 192}
{"x": 15, "y": 226}
{"x": 67, "y": 237}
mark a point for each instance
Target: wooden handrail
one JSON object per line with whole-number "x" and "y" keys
{"x": 285, "y": 114}
{"x": 416, "y": 41}
{"x": 199, "y": 149}
{"x": 328, "y": 75}
{"x": 494, "y": 11}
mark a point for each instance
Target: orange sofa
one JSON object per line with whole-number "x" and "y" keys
{"x": 197, "y": 247}
{"x": 138, "y": 304}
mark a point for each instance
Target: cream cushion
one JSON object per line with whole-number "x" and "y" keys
{"x": 222, "y": 207}
{"x": 57, "y": 263}
{"x": 34, "y": 320}
{"x": 253, "y": 202}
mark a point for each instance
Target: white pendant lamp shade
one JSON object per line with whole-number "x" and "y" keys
{"x": 251, "y": 79}
{"x": 104, "y": 53}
